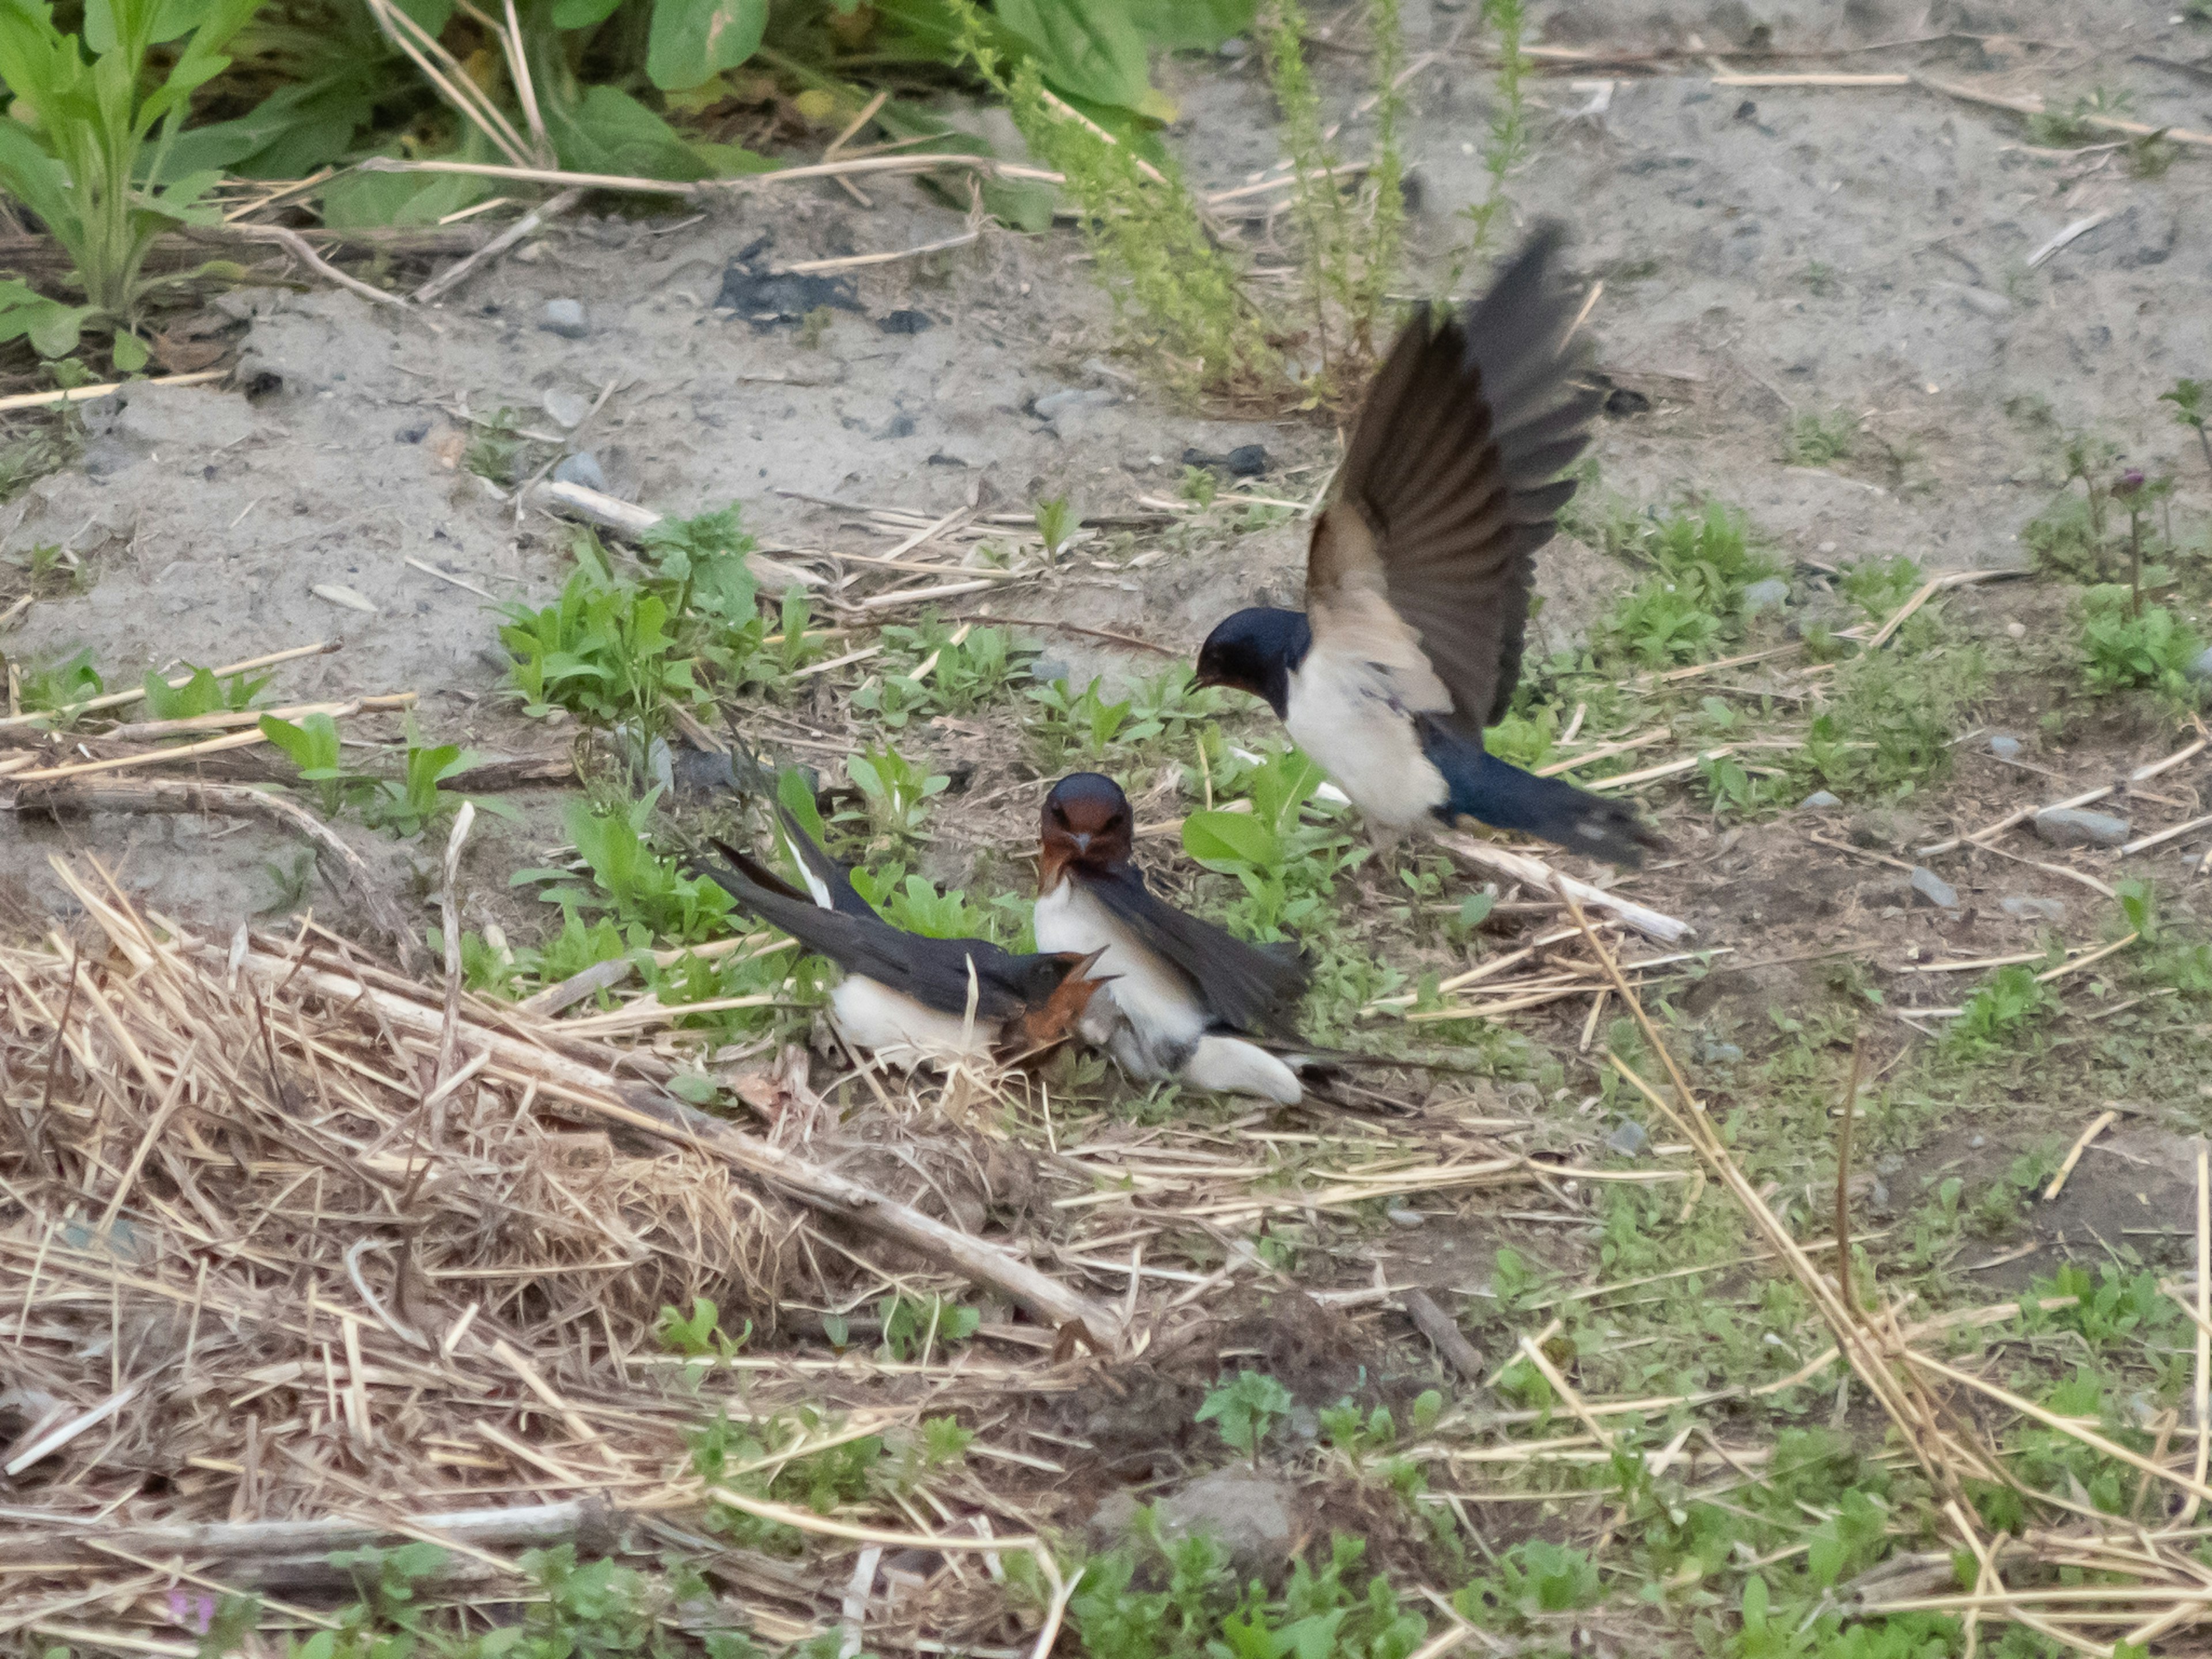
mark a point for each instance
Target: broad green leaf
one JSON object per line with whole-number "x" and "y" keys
{"x": 51, "y": 326}
{"x": 1218, "y": 838}
{"x": 1189, "y": 25}
{"x": 1088, "y": 47}
{"x": 582, "y": 14}
{"x": 609, "y": 131}
{"x": 130, "y": 351}
{"x": 354, "y": 199}
{"x": 695, "y": 40}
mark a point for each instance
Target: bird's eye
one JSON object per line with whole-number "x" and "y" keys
{"x": 1060, "y": 815}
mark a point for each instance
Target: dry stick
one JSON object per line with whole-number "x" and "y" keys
{"x": 2144, "y": 842}
{"x": 449, "y": 914}
{"x": 2034, "y": 106}
{"x": 1812, "y": 80}
{"x": 88, "y": 394}
{"x": 1443, "y": 1331}
{"x": 118, "y": 699}
{"x": 2204, "y": 1324}
{"x": 2097, "y": 1125}
{"x": 2142, "y": 774}
{"x": 229, "y": 719}
{"x": 857, "y": 165}
{"x": 596, "y": 1090}
{"x": 543, "y": 1523}
{"x": 296, "y": 245}
{"x": 1844, "y": 1171}
{"x": 235, "y": 801}
{"x": 1534, "y": 872}
{"x": 155, "y": 757}
{"x": 1851, "y": 1339}
{"x": 442, "y": 284}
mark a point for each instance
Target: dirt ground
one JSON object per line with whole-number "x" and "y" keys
{"x": 1765, "y": 252}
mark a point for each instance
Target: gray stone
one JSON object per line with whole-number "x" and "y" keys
{"x": 2020, "y": 907}
{"x": 2005, "y": 747}
{"x": 1819, "y": 801}
{"x": 1045, "y": 669}
{"x": 2201, "y": 668}
{"x": 1720, "y": 1054}
{"x": 568, "y": 408}
{"x": 1629, "y": 1138}
{"x": 566, "y": 319}
{"x": 105, "y": 457}
{"x": 1771, "y": 594}
{"x": 581, "y": 468}
{"x": 1053, "y": 404}
{"x": 2073, "y": 826}
{"x": 1234, "y": 47}
{"x": 1251, "y": 1517}
{"x": 1928, "y": 887}
{"x": 1986, "y": 301}
{"x": 183, "y": 417}
{"x": 1401, "y": 1217}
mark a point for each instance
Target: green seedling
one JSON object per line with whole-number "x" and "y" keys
{"x": 700, "y": 1335}
{"x": 604, "y": 651}
{"x": 1082, "y": 723}
{"x": 58, "y": 687}
{"x": 1246, "y": 1410}
{"x": 1056, "y": 522}
{"x": 896, "y": 792}
{"x": 200, "y": 693}
{"x": 916, "y": 1326}
{"x": 2126, "y": 644}
{"x": 95, "y": 117}
{"x": 416, "y": 802}
{"x": 1817, "y": 439}
{"x": 2193, "y": 408}
{"x": 311, "y": 744}
{"x": 1999, "y": 1013}
{"x": 629, "y": 878}
{"x": 1286, "y": 867}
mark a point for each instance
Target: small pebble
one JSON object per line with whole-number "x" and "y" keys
{"x": 1053, "y": 404}
{"x": 905, "y": 322}
{"x": 1234, "y": 47}
{"x": 2016, "y": 630}
{"x": 1977, "y": 1142}
{"x": 413, "y": 434}
{"x": 566, "y": 319}
{"x": 1930, "y": 888}
{"x": 1629, "y": 1138}
{"x": 1819, "y": 801}
{"x": 581, "y": 468}
{"x": 2072, "y": 826}
{"x": 1771, "y": 594}
{"x": 2020, "y": 907}
{"x": 1406, "y": 1217}
{"x": 1246, "y": 461}
{"x": 2004, "y": 747}
{"x": 568, "y": 408}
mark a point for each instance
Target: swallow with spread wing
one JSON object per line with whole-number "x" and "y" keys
{"x": 1187, "y": 999}
{"x": 1419, "y": 573}
{"x": 901, "y": 997}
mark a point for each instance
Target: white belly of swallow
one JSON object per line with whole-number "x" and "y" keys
{"x": 902, "y": 1032}
{"x": 1152, "y": 995}
{"x": 1339, "y": 716}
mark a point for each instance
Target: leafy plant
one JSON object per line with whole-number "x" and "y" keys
{"x": 1819, "y": 439}
{"x": 896, "y": 791}
{"x": 1998, "y": 1011}
{"x": 1508, "y": 142}
{"x": 1285, "y": 866}
{"x": 417, "y": 801}
{"x": 629, "y": 877}
{"x": 312, "y": 744}
{"x": 77, "y": 152}
{"x": 2193, "y": 408}
{"x": 200, "y": 693}
{"x": 603, "y": 651}
{"x": 1082, "y": 723}
{"x": 2123, "y": 650}
{"x": 1246, "y": 1410}
{"x": 1056, "y": 522}
{"x": 57, "y": 688}
{"x": 700, "y": 1335}
{"x": 1692, "y": 603}
{"x": 1534, "y": 1576}
{"x": 917, "y": 1325}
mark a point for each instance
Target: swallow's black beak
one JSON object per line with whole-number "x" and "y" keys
{"x": 1202, "y": 679}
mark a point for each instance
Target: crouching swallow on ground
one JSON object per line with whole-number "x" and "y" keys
{"x": 1185, "y": 997}
{"x": 904, "y": 998}
{"x": 1419, "y": 572}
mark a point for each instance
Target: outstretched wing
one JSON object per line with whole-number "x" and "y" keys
{"x": 1249, "y": 988}
{"x": 1421, "y": 567}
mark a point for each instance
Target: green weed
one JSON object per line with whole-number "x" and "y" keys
{"x": 1817, "y": 439}
{"x": 1056, "y": 522}
{"x": 2069, "y": 129}
{"x": 700, "y": 1335}
{"x": 1999, "y": 1013}
{"x": 1246, "y": 1411}
{"x": 90, "y": 152}
{"x": 603, "y": 651}
{"x": 629, "y": 878}
{"x": 1692, "y": 604}
{"x": 1507, "y": 145}
{"x": 1286, "y": 867}
{"x": 2193, "y": 408}
{"x": 916, "y": 1327}
{"x": 200, "y": 693}
{"x": 894, "y": 793}
{"x": 2122, "y": 650}
{"x": 311, "y": 744}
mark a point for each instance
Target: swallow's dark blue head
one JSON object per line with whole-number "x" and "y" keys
{"x": 1086, "y": 821}
{"x": 1255, "y": 651}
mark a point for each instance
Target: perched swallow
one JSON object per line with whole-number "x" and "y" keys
{"x": 902, "y": 997}
{"x": 1186, "y": 998}
{"x": 1419, "y": 572}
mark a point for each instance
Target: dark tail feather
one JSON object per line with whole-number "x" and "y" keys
{"x": 1503, "y": 796}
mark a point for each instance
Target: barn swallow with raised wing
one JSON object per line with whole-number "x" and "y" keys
{"x": 1186, "y": 999}
{"x": 1419, "y": 572}
{"x": 901, "y": 997}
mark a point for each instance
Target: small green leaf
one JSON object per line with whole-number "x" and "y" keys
{"x": 692, "y": 41}
{"x": 1215, "y": 839}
